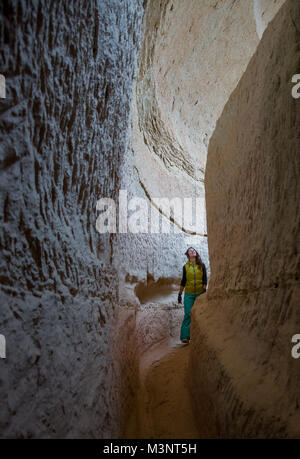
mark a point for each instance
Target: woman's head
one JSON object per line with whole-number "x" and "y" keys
{"x": 191, "y": 253}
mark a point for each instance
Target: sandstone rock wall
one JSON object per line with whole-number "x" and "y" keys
{"x": 243, "y": 375}
{"x": 71, "y": 366}
{"x": 69, "y": 68}
{"x": 192, "y": 57}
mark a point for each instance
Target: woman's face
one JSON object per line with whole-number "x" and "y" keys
{"x": 191, "y": 253}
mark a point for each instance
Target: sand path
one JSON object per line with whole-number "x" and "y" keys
{"x": 163, "y": 406}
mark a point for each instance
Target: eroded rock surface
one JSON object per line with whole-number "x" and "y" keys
{"x": 163, "y": 404}
{"x": 192, "y": 57}
{"x": 69, "y": 69}
{"x": 246, "y": 380}
{"x": 68, "y": 309}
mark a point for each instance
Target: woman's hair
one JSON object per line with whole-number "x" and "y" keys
{"x": 198, "y": 258}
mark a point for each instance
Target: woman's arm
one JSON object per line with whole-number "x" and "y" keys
{"x": 204, "y": 277}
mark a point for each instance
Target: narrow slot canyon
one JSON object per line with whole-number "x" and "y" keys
{"x": 162, "y": 407}
{"x": 130, "y": 131}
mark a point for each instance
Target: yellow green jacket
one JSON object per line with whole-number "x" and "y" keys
{"x": 193, "y": 278}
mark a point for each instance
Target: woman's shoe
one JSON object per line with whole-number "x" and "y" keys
{"x": 185, "y": 341}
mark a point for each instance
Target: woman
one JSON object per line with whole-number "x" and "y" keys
{"x": 194, "y": 280}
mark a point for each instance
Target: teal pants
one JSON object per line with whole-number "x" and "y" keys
{"x": 186, "y": 323}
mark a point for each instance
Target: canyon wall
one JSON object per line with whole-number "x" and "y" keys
{"x": 243, "y": 376}
{"x": 81, "y": 121}
{"x": 69, "y": 69}
{"x": 192, "y": 57}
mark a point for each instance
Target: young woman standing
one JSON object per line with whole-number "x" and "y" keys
{"x": 194, "y": 281}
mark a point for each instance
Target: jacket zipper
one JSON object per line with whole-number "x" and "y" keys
{"x": 194, "y": 279}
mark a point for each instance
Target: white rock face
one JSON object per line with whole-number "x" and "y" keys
{"x": 248, "y": 381}
{"x": 193, "y": 55}
{"x": 264, "y": 11}
{"x": 69, "y": 69}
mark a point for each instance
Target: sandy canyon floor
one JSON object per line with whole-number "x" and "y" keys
{"x": 163, "y": 405}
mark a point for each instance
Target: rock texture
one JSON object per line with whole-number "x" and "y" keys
{"x": 73, "y": 132}
{"x": 246, "y": 380}
{"x": 192, "y": 57}
{"x": 69, "y": 69}
{"x": 163, "y": 405}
